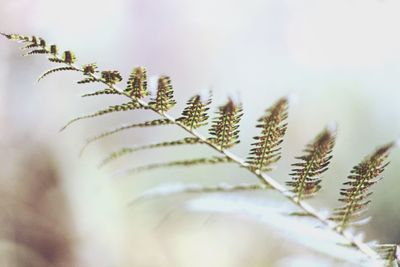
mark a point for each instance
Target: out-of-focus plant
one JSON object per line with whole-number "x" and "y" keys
{"x": 157, "y": 95}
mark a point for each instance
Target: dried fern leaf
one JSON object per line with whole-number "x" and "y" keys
{"x": 157, "y": 122}
{"x": 224, "y": 129}
{"x": 306, "y": 177}
{"x": 163, "y": 99}
{"x": 137, "y": 83}
{"x": 179, "y": 188}
{"x": 362, "y": 177}
{"x": 266, "y": 150}
{"x": 56, "y": 70}
{"x": 195, "y": 113}
{"x": 179, "y": 163}
{"x": 129, "y": 150}
{"x": 107, "y": 91}
{"x": 132, "y": 105}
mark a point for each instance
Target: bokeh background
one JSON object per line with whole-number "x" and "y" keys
{"x": 341, "y": 60}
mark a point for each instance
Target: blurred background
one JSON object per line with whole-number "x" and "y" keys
{"x": 341, "y": 60}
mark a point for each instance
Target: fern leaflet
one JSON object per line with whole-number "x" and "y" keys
{"x": 224, "y": 130}
{"x": 195, "y": 113}
{"x": 266, "y": 150}
{"x": 107, "y": 91}
{"x": 132, "y": 105}
{"x": 362, "y": 177}
{"x": 182, "y": 163}
{"x": 137, "y": 83}
{"x": 56, "y": 70}
{"x": 129, "y": 150}
{"x": 152, "y": 123}
{"x": 306, "y": 176}
{"x": 163, "y": 100}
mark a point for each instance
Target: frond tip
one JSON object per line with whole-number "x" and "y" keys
{"x": 195, "y": 114}
{"x": 224, "y": 130}
{"x": 266, "y": 150}
{"x": 306, "y": 177}
{"x": 362, "y": 177}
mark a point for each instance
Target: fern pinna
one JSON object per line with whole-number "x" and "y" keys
{"x": 266, "y": 150}
{"x": 158, "y": 96}
{"x": 362, "y": 177}
{"x": 306, "y": 180}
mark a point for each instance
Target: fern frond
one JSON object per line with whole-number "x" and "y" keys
{"x": 132, "y": 105}
{"x": 137, "y": 83}
{"x": 306, "y": 177}
{"x": 107, "y": 91}
{"x": 362, "y": 177}
{"x": 179, "y": 163}
{"x": 129, "y": 150}
{"x": 111, "y": 77}
{"x": 56, "y": 70}
{"x": 224, "y": 133}
{"x": 163, "y": 99}
{"x": 224, "y": 129}
{"x": 195, "y": 114}
{"x": 179, "y": 188}
{"x": 157, "y": 122}
{"x": 266, "y": 150}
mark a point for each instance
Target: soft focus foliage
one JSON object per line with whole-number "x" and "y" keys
{"x": 265, "y": 49}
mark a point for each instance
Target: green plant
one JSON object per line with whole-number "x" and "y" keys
{"x": 157, "y": 97}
